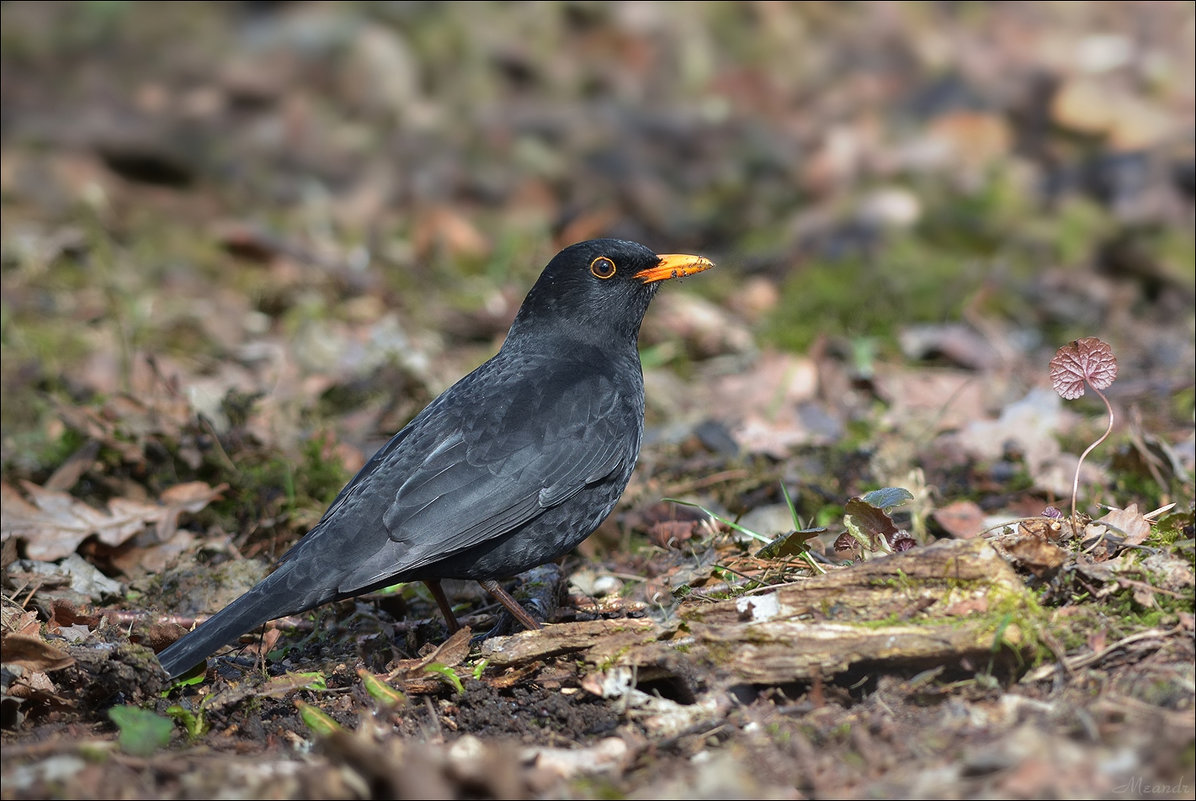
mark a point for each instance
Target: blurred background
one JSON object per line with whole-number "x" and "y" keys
{"x": 339, "y": 205}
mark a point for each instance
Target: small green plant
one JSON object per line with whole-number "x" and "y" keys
{"x": 142, "y": 732}
{"x": 1085, "y": 361}
{"x": 316, "y": 719}
{"x": 194, "y": 676}
{"x": 380, "y": 691}
{"x": 447, "y": 674}
{"x": 194, "y": 723}
{"x": 316, "y": 680}
{"x": 792, "y": 543}
{"x": 869, "y": 526}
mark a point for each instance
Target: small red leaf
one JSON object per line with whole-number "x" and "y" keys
{"x": 1086, "y": 359}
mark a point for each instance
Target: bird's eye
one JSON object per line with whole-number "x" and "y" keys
{"x": 602, "y": 267}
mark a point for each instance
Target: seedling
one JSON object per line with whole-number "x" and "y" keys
{"x": 386, "y": 696}
{"x": 1085, "y": 361}
{"x": 142, "y": 732}
{"x": 447, "y": 674}
{"x": 869, "y": 526}
{"x": 792, "y": 543}
{"x": 196, "y": 724}
{"x": 317, "y": 719}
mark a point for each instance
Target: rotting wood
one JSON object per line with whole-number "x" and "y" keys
{"x": 945, "y": 579}
{"x": 950, "y": 603}
{"x": 564, "y": 638}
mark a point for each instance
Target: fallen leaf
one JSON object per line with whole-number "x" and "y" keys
{"x": 34, "y": 654}
{"x": 671, "y": 533}
{"x": 53, "y": 524}
{"x": 1128, "y": 522}
{"x": 20, "y": 621}
{"x": 768, "y": 397}
{"x": 191, "y": 497}
{"x": 791, "y": 543}
{"x": 444, "y": 227}
{"x": 71, "y": 470}
{"x": 974, "y": 138}
{"x": 1045, "y": 528}
{"x": 962, "y": 519}
{"x": 1036, "y": 555}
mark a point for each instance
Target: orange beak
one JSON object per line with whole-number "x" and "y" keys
{"x": 674, "y": 265}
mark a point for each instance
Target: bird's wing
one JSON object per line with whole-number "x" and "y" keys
{"x": 504, "y": 454}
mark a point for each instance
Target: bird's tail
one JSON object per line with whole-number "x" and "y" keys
{"x": 251, "y": 610}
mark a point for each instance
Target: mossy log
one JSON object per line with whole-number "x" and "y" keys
{"x": 952, "y": 603}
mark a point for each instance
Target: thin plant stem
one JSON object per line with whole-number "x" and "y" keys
{"x": 1075, "y": 484}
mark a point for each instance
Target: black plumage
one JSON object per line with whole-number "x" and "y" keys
{"x": 509, "y": 468}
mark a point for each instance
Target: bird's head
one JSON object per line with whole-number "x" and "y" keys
{"x": 600, "y": 288}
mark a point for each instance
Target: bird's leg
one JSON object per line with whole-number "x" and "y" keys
{"x": 446, "y": 608}
{"x": 503, "y": 597}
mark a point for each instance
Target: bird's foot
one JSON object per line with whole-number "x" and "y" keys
{"x": 537, "y": 602}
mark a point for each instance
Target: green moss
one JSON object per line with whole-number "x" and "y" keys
{"x": 910, "y": 281}
{"x": 1077, "y": 223}
{"x": 612, "y": 660}
{"x": 828, "y": 515}
{"x": 1009, "y": 610}
{"x": 314, "y": 482}
{"x": 1170, "y": 529}
{"x": 1183, "y": 403}
{"x": 1019, "y": 607}
{"x": 900, "y": 582}
{"x": 779, "y": 735}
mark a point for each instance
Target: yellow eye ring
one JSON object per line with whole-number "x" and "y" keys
{"x": 602, "y": 267}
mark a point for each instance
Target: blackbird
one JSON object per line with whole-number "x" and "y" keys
{"x": 510, "y": 468}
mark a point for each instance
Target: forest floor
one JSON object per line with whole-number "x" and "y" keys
{"x": 243, "y": 244}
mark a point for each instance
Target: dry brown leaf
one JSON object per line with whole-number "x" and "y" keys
{"x": 149, "y": 558}
{"x": 53, "y": 524}
{"x": 191, "y": 496}
{"x": 962, "y": 519}
{"x": 34, "y": 654}
{"x": 92, "y": 424}
{"x": 1036, "y": 555}
{"x": 71, "y": 470}
{"x": 1045, "y": 528}
{"x": 443, "y": 226}
{"x": 671, "y": 533}
{"x": 766, "y": 398}
{"x": 931, "y": 400}
{"x": 454, "y": 650}
{"x": 154, "y": 408}
{"x": 962, "y": 345}
{"x": 21, "y": 621}
{"x": 450, "y": 653}
{"x": 1090, "y": 106}
{"x": 975, "y": 138}
{"x": 1129, "y": 522}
